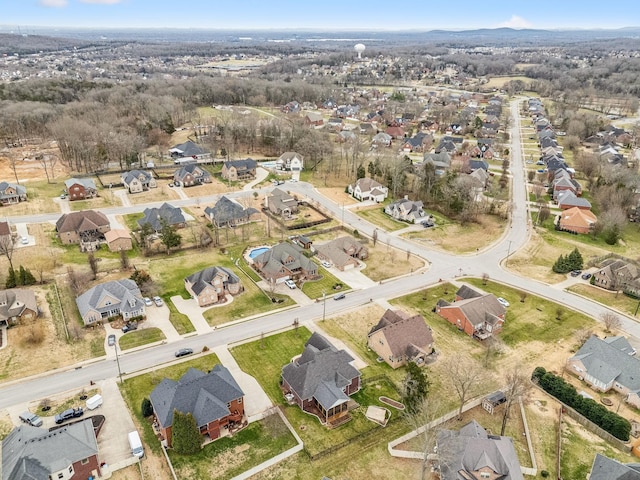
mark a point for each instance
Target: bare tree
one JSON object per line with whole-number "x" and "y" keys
{"x": 583, "y": 335}
{"x": 7, "y": 248}
{"x": 466, "y": 377}
{"x": 93, "y": 264}
{"x": 611, "y": 321}
{"x": 517, "y": 387}
{"x": 48, "y": 162}
{"x": 374, "y": 237}
{"x": 485, "y": 278}
{"x": 124, "y": 260}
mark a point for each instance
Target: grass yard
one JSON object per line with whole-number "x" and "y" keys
{"x": 377, "y": 216}
{"x": 457, "y": 238}
{"x": 618, "y": 301}
{"x": 231, "y": 456}
{"x": 384, "y": 262}
{"x": 162, "y": 193}
{"x": 61, "y": 404}
{"x": 325, "y": 285}
{"x": 40, "y": 195}
{"x": 104, "y": 200}
{"x": 137, "y": 338}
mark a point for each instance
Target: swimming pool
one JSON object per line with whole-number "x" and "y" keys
{"x": 257, "y": 251}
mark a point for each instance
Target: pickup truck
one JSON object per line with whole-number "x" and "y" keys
{"x": 69, "y": 414}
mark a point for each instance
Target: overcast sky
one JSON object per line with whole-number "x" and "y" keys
{"x": 321, "y": 14}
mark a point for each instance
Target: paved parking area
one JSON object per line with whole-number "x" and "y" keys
{"x": 295, "y": 293}
{"x": 354, "y": 277}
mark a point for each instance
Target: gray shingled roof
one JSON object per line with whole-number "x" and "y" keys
{"x": 605, "y": 362}
{"x": 200, "y": 280}
{"x": 321, "y": 372}
{"x": 227, "y": 211}
{"x": 172, "y": 215}
{"x": 143, "y": 176}
{"x": 191, "y": 169}
{"x": 125, "y": 290}
{"x": 273, "y": 259}
{"x": 241, "y": 165}
{"x": 471, "y": 449}
{"x": 20, "y": 190}
{"x": 567, "y": 197}
{"x": 605, "y": 468}
{"x": 204, "y": 395}
{"x": 29, "y": 452}
{"x": 14, "y": 301}
{"x": 187, "y": 149}
{"x": 85, "y": 182}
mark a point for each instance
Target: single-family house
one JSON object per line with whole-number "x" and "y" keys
{"x": 576, "y": 220}
{"x": 567, "y": 199}
{"x": 189, "y": 151}
{"x": 164, "y": 215}
{"x": 69, "y": 453}
{"x": 16, "y": 305}
{"x": 80, "y": 188}
{"x": 367, "y": 129}
{"x": 605, "y": 468}
{"x": 406, "y": 210}
{"x": 344, "y": 252}
{"x": 321, "y": 380}
{"x": 381, "y": 139}
{"x": 118, "y": 240}
{"x": 335, "y": 124}
{"x": 606, "y": 364}
{"x": 228, "y": 212}
{"x": 480, "y": 179}
{"x": 111, "y": 299}
{"x": 441, "y": 161}
{"x": 290, "y": 161}
{"x": 12, "y": 193}
{"x": 281, "y": 203}
{"x": 395, "y": 132}
{"x": 212, "y": 284}
{"x": 400, "y": 338}
{"x": 190, "y": 175}
{"x": 313, "y": 119}
{"x": 215, "y": 400}
{"x": 615, "y": 274}
{"x": 235, "y": 170}
{"x": 285, "y": 261}
{"x": 478, "y": 315}
{"x": 136, "y": 181}
{"x": 86, "y": 227}
{"x": 368, "y": 189}
{"x": 471, "y": 453}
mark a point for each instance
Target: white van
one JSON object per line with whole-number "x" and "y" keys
{"x": 94, "y": 402}
{"x": 136, "y": 444}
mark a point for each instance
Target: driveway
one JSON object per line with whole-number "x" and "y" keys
{"x": 23, "y": 232}
{"x": 191, "y": 309}
{"x": 261, "y": 174}
{"x": 354, "y": 277}
{"x": 159, "y": 317}
{"x": 123, "y": 195}
{"x": 296, "y": 294}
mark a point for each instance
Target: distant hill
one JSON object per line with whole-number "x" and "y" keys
{"x": 26, "y": 44}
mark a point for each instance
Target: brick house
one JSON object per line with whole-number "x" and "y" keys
{"x": 285, "y": 261}
{"x": 576, "y": 220}
{"x": 190, "y": 175}
{"x": 209, "y": 286}
{"x": 118, "y": 240}
{"x": 80, "y": 188}
{"x": 215, "y": 400}
{"x": 86, "y": 227}
{"x": 12, "y": 193}
{"x": 281, "y": 203}
{"x": 235, "y": 170}
{"x": 17, "y": 304}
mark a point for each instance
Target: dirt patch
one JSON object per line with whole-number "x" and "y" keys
{"x": 385, "y": 262}
{"x": 338, "y": 195}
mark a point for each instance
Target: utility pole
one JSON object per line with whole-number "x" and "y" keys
{"x": 508, "y": 253}
{"x": 324, "y": 305}
{"x": 115, "y": 346}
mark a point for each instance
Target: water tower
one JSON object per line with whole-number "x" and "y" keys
{"x": 359, "y": 48}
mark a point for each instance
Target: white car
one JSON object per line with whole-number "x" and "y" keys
{"x": 503, "y": 302}
{"x": 24, "y": 241}
{"x": 147, "y": 301}
{"x": 290, "y": 283}
{"x": 158, "y": 301}
{"x": 326, "y": 264}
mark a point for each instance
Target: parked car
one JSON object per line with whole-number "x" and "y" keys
{"x": 130, "y": 327}
{"x": 339, "y": 297}
{"x": 290, "y": 283}
{"x": 24, "y": 240}
{"x": 111, "y": 340}
{"x": 69, "y": 414}
{"x": 503, "y": 302}
{"x": 326, "y": 264}
{"x": 184, "y": 351}
{"x": 575, "y": 273}
{"x": 427, "y": 223}
{"x": 31, "y": 419}
{"x": 63, "y": 196}
{"x": 293, "y": 180}
{"x": 586, "y": 276}
{"x": 158, "y": 301}
{"x": 147, "y": 301}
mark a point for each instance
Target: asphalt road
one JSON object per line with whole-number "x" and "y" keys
{"x": 442, "y": 266}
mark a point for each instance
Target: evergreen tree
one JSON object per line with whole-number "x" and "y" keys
{"x": 361, "y": 172}
{"x": 146, "y": 407}
{"x": 575, "y": 259}
{"x": 185, "y": 436}
{"x": 169, "y": 237}
{"x": 11, "y": 279}
{"x": 415, "y": 388}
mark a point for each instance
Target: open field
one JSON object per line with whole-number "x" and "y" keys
{"x": 618, "y": 301}
{"x": 162, "y": 193}
{"x": 498, "y": 82}
{"x": 386, "y": 262}
{"x": 377, "y": 216}
{"x": 338, "y": 196}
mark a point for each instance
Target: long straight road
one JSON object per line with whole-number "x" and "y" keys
{"x": 443, "y": 266}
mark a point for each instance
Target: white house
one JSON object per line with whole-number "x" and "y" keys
{"x": 290, "y": 161}
{"x": 368, "y": 189}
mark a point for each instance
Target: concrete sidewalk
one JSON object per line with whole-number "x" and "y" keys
{"x": 256, "y": 400}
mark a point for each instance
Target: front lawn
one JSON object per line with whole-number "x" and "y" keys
{"x": 141, "y": 337}
{"x": 386, "y": 262}
{"x": 377, "y": 216}
{"x": 325, "y": 285}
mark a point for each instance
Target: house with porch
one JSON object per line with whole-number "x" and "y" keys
{"x": 211, "y": 285}
{"x": 11, "y": 193}
{"x": 215, "y": 400}
{"x": 166, "y": 214}
{"x": 188, "y": 150}
{"x": 321, "y": 380}
{"x": 111, "y": 299}
{"x": 368, "y": 189}
{"x": 281, "y": 203}
{"x": 17, "y": 304}
{"x": 190, "y": 175}
{"x": 137, "y": 181}
{"x": 235, "y": 170}
{"x": 285, "y": 261}
{"x": 228, "y": 212}
{"x": 406, "y": 210}
{"x": 400, "y": 338}
{"x": 479, "y": 315}
{"x": 608, "y": 364}
{"x": 80, "y": 188}
{"x": 69, "y": 453}
{"x": 86, "y": 228}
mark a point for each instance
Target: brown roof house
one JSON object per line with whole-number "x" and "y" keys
{"x": 285, "y": 261}
{"x": 86, "y": 227}
{"x": 368, "y": 189}
{"x": 471, "y": 453}
{"x": 478, "y": 314}
{"x": 118, "y": 240}
{"x": 399, "y": 338}
{"x": 209, "y": 286}
{"x": 576, "y": 220}
{"x": 608, "y": 364}
{"x": 215, "y": 400}
{"x": 80, "y": 188}
{"x": 234, "y": 170}
{"x": 321, "y": 380}
{"x": 6, "y": 237}
{"x": 281, "y": 203}
{"x": 343, "y": 252}
{"x": 17, "y": 304}
{"x": 69, "y": 452}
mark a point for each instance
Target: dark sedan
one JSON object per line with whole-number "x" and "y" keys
{"x": 183, "y": 352}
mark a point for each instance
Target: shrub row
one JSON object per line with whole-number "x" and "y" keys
{"x": 609, "y": 421}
